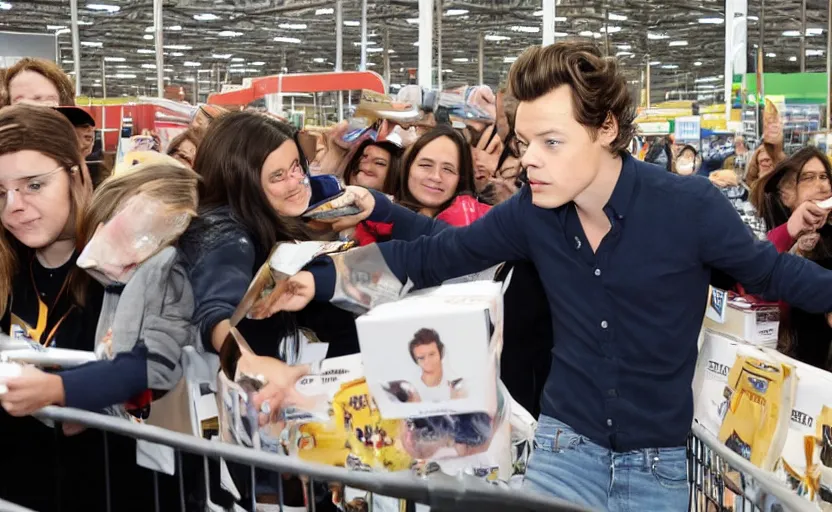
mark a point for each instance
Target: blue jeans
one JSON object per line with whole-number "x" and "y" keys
{"x": 569, "y": 466}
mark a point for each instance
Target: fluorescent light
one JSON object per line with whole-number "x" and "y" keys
{"x": 293, "y": 26}
{"x": 792, "y": 33}
{"x": 557, "y": 18}
{"x": 84, "y": 23}
{"x": 5, "y": 6}
{"x": 624, "y": 47}
{"x": 624, "y": 54}
{"x": 413, "y": 21}
{"x": 814, "y": 53}
{"x": 371, "y": 64}
{"x": 319, "y": 60}
{"x": 697, "y": 63}
{"x": 92, "y": 44}
{"x": 670, "y": 66}
{"x": 229, "y": 33}
{"x": 655, "y": 63}
{"x": 509, "y": 60}
{"x": 238, "y": 59}
{"x": 114, "y": 59}
{"x": 655, "y": 37}
{"x": 147, "y": 52}
{"x": 456, "y": 12}
{"x": 711, "y": 21}
{"x": 447, "y": 70}
{"x": 492, "y": 37}
{"x": 416, "y": 43}
{"x": 238, "y": 65}
{"x": 792, "y": 59}
{"x": 147, "y": 37}
{"x": 616, "y": 17}
{"x": 586, "y": 33}
{"x": 525, "y": 29}
{"x": 281, "y": 39}
{"x": 814, "y": 31}
{"x": 771, "y": 55}
{"x": 177, "y": 54}
{"x": 191, "y": 64}
{"x": 103, "y": 7}
{"x": 352, "y": 24}
{"x": 611, "y": 30}
{"x": 123, "y": 66}
{"x": 358, "y": 43}
{"x": 55, "y": 27}
{"x": 375, "y": 49}
{"x": 237, "y": 70}
{"x": 123, "y": 75}
{"x": 321, "y": 12}
{"x": 220, "y": 55}
{"x": 258, "y": 63}
{"x": 62, "y": 31}
{"x": 708, "y": 79}
{"x": 149, "y": 66}
{"x": 460, "y": 59}
{"x": 177, "y": 47}
{"x": 391, "y": 51}
{"x": 206, "y": 17}
{"x": 677, "y": 43}
{"x": 174, "y": 28}
{"x": 69, "y": 62}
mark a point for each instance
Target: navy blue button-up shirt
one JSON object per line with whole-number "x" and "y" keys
{"x": 626, "y": 318}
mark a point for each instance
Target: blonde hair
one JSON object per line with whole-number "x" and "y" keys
{"x": 42, "y": 129}
{"x": 169, "y": 182}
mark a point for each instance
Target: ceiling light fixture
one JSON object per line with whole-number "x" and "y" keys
{"x": 221, "y": 55}
{"x": 114, "y": 59}
{"x": 321, "y": 12}
{"x": 319, "y": 60}
{"x": 191, "y": 64}
{"x": 174, "y": 28}
{"x": 697, "y": 63}
{"x": 103, "y": 7}
{"x": 670, "y": 66}
{"x": 814, "y": 31}
{"x": 206, "y": 17}
{"x": 375, "y": 49}
{"x": 5, "y": 6}
{"x": 624, "y": 54}
{"x": 229, "y": 33}
{"x": 707, "y": 79}
{"x": 293, "y": 26}
{"x": 655, "y": 37}
{"x": 792, "y": 33}
{"x": 456, "y": 12}
{"x": 625, "y": 47}
{"x": 149, "y": 66}
{"x": 771, "y": 55}
{"x": 461, "y": 59}
{"x": 792, "y": 59}
{"x": 123, "y": 75}
{"x": 616, "y": 17}
{"x": 55, "y": 27}
{"x": 352, "y": 24}
{"x": 177, "y": 47}
{"x": 585, "y": 33}
{"x": 655, "y": 63}
{"x": 677, "y": 43}
{"x": 147, "y": 37}
{"x": 413, "y": 21}
{"x": 525, "y": 29}
{"x": 557, "y": 18}
{"x": 144, "y": 51}
{"x": 62, "y": 31}
{"x": 177, "y": 54}
{"x": 611, "y": 29}
{"x": 258, "y": 63}
{"x": 509, "y": 60}
{"x": 711, "y": 21}
{"x": 814, "y": 53}
{"x": 281, "y": 39}
{"x": 92, "y": 44}
{"x": 238, "y": 59}
{"x": 492, "y": 37}
{"x": 447, "y": 70}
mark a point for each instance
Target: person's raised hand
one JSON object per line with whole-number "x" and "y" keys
{"x": 295, "y": 293}
{"x": 808, "y": 217}
{"x": 363, "y": 199}
{"x": 279, "y": 390}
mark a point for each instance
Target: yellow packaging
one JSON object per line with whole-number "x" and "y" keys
{"x": 760, "y": 397}
{"x": 356, "y": 435}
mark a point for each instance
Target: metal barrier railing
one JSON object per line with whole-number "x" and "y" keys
{"x": 711, "y": 465}
{"x": 438, "y": 492}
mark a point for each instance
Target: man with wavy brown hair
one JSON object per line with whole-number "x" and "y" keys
{"x": 40, "y": 81}
{"x": 625, "y": 251}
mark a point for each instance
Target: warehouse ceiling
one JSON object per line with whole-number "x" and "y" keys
{"x": 224, "y": 41}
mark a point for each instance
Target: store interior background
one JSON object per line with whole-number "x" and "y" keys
{"x": 672, "y": 51}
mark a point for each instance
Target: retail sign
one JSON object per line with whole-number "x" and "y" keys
{"x": 654, "y": 128}
{"x": 688, "y": 128}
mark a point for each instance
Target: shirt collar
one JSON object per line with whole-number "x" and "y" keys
{"x": 622, "y": 194}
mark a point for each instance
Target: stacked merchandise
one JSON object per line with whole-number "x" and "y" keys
{"x": 770, "y": 409}
{"x": 423, "y": 396}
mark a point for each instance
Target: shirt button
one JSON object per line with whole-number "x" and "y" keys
{"x": 604, "y": 324}
{"x": 597, "y": 272}
{"x": 609, "y": 422}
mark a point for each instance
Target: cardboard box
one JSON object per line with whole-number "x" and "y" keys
{"x": 434, "y": 352}
{"x": 743, "y": 318}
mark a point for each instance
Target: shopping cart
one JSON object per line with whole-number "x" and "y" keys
{"x": 439, "y": 492}
{"x": 722, "y": 481}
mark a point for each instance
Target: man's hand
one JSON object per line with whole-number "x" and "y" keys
{"x": 32, "y": 391}
{"x": 363, "y": 199}
{"x": 807, "y": 217}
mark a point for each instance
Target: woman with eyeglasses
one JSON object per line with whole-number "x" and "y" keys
{"x": 49, "y": 302}
{"x": 255, "y": 186}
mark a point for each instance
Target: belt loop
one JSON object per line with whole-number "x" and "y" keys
{"x": 651, "y": 458}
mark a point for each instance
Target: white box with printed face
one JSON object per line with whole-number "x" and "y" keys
{"x": 434, "y": 352}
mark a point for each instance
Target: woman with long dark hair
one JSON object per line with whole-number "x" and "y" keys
{"x": 436, "y": 180}
{"x": 374, "y": 165}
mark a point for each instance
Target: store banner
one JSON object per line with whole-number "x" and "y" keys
{"x": 688, "y": 128}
